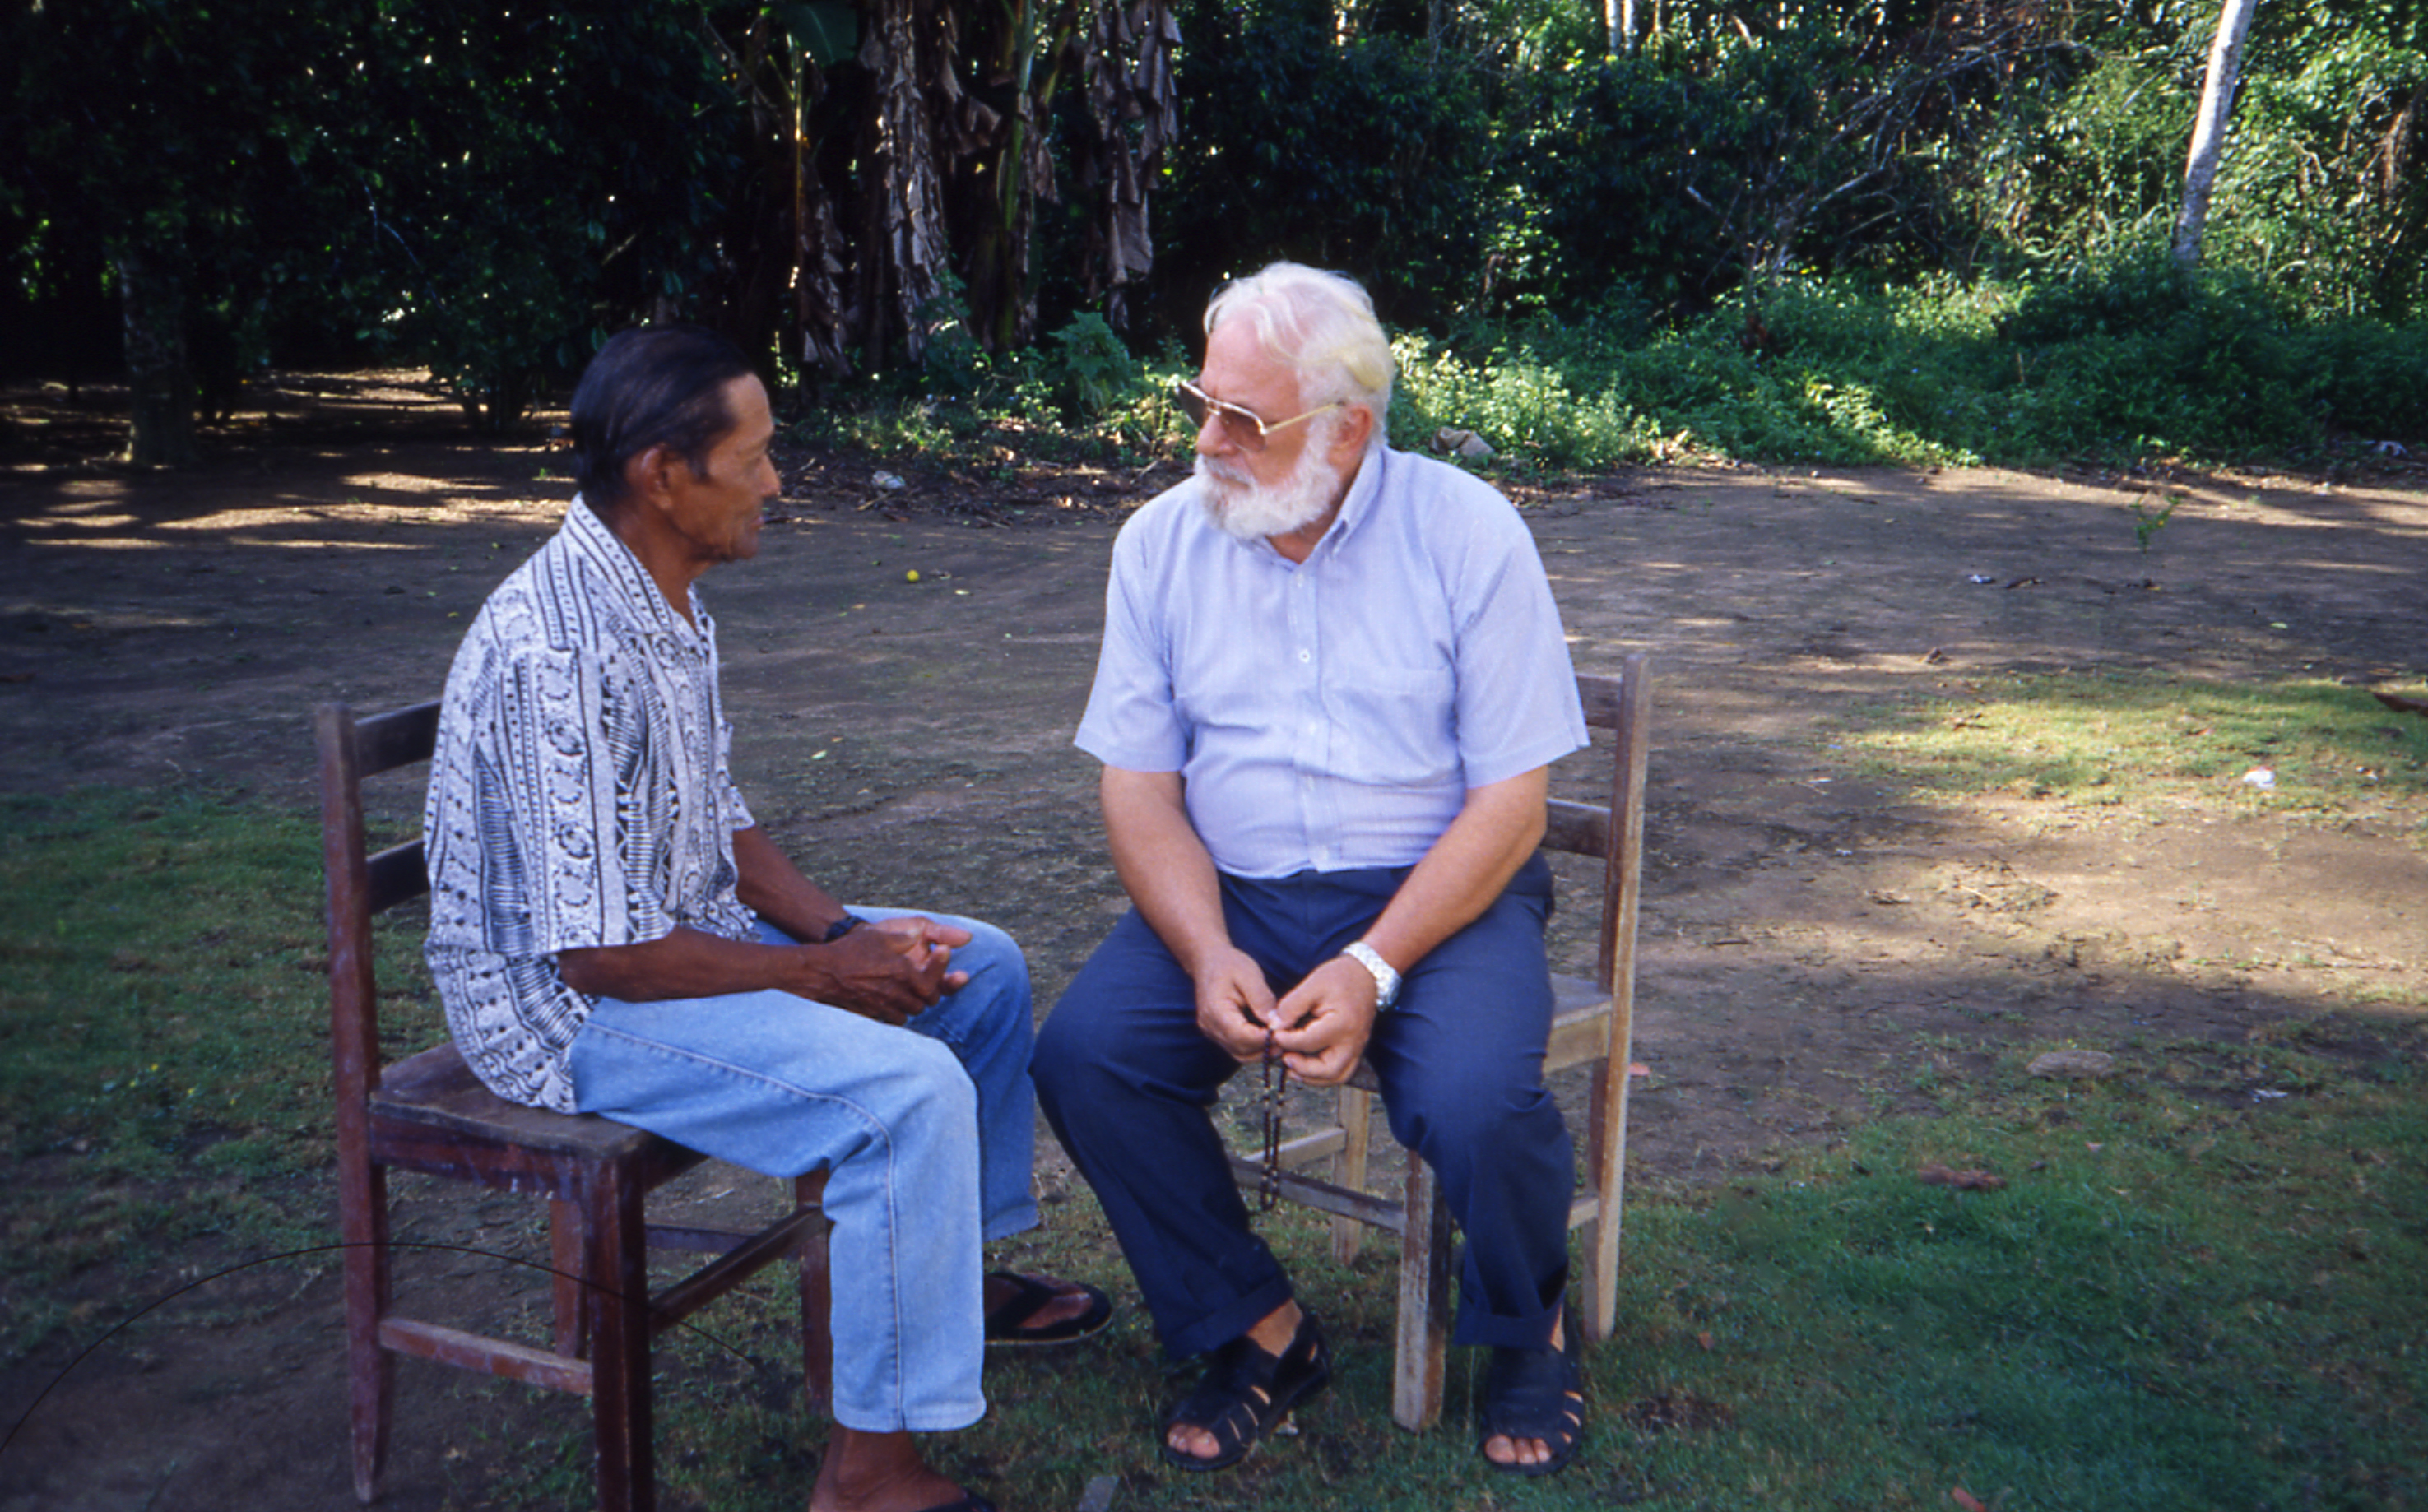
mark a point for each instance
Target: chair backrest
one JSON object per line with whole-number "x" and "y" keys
{"x": 362, "y": 885}
{"x": 1614, "y": 831}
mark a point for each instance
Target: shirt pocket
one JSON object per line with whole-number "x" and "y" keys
{"x": 1392, "y": 727}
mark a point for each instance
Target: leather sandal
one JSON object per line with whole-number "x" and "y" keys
{"x": 1534, "y": 1393}
{"x": 1008, "y": 1321}
{"x": 1246, "y": 1394}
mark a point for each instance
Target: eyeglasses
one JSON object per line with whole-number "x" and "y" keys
{"x": 1249, "y": 427}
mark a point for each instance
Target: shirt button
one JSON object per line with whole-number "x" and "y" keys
{"x": 1305, "y": 655}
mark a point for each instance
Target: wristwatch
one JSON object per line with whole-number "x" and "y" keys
{"x": 840, "y": 928}
{"x": 1387, "y": 981}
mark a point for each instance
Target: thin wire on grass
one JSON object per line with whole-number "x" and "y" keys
{"x": 163, "y": 1300}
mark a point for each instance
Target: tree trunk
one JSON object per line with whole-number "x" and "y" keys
{"x": 908, "y": 258}
{"x": 1002, "y": 164}
{"x": 159, "y": 376}
{"x": 2208, "y": 132}
{"x": 819, "y": 315}
{"x": 1136, "y": 110}
{"x": 1618, "y": 26}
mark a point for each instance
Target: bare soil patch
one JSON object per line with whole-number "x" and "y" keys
{"x": 905, "y": 668}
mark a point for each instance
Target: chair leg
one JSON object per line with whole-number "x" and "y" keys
{"x": 1357, "y": 1110}
{"x": 817, "y": 1298}
{"x": 1424, "y": 1302}
{"x": 564, "y": 1255}
{"x": 1606, "y": 1170}
{"x": 620, "y": 1339}
{"x": 371, "y": 1371}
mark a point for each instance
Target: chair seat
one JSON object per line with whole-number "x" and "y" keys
{"x": 1581, "y": 1014}
{"x": 438, "y": 1089}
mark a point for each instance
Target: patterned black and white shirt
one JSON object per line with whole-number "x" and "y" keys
{"x": 581, "y": 795}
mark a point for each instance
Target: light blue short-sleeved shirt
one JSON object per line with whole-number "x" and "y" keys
{"x": 1333, "y": 714}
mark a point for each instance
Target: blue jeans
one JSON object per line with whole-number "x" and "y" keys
{"x": 928, "y": 1132}
{"x": 1127, "y": 1077}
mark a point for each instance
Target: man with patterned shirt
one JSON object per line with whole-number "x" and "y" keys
{"x": 612, "y": 933}
{"x": 1331, "y": 680}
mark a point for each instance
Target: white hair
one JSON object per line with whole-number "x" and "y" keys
{"x": 1321, "y": 326}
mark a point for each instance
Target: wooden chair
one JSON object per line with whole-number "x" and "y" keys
{"x": 428, "y": 1113}
{"x": 1593, "y": 1024}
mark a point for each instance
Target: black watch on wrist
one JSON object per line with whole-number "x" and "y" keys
{"x": 840, "y": 928}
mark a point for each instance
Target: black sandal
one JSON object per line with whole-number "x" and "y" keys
{"x": 1247, "y": 1393}
{"x": 1008, "y": 1321}
{"x": 1534, "y": 1393}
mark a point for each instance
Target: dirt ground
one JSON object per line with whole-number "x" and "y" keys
{"x": 1815, "y": 949}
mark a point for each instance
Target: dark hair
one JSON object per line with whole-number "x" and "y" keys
{"x": 651, "y": 385}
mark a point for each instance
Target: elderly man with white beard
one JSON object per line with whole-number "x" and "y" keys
{"x": 1331, "y": 681}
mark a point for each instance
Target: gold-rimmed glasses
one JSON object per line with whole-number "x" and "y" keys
{"x": 1245, "y": 424}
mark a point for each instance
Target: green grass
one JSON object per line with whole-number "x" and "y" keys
{"x": 166, "y": 1066}
{"x": 2118, "y": 737}
{"x": 2183, "y": 1296}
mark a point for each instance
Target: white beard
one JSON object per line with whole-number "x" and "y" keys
{"x": 1250, "y": 510}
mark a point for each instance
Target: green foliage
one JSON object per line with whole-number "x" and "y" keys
{"x": 2370, "y": 377}
{"x": 446, "y": 182}
{"x": 1519, "y": 396}
{"x": 2316, "y": 195}
{"x": 2098, "y": 166}
{"x": 489, "y": 190}
{"x": 1366, "y": 156}
{"x": 2133, "y": 360}
{"x": 2137, "y": 360}
{"x": 1590, "y": 395}
{"x": 2213, "y": 362}
{"x": 1017, "y": 405}
{"x": 543, "y": 180}
{"x": 1091, "y": 368}
{"x": 825, "y": 31}
{"x": 1603, "y": 175}
{"x": 1731, "y": 148}
{"x": 2148, "y": 522}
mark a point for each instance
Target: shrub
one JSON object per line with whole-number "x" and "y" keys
{"x": 1092, "y": 370}
{"x": 1362, "y": 156}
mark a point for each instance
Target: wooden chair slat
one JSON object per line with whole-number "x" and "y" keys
{"x": 396, "y": 876}
{"x": 493, "y": 1357}
{"x": 401, "y": 738}
{"x": 1605, "y": 696}
{"x": 1577, "y": 829}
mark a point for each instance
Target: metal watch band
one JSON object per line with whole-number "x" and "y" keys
{"x": 1387, "y": 981}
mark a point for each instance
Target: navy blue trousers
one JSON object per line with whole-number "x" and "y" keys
{"x": 1127, "y": 1082}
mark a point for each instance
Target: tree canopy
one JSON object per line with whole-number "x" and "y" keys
{"x": 856, "y": 186}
